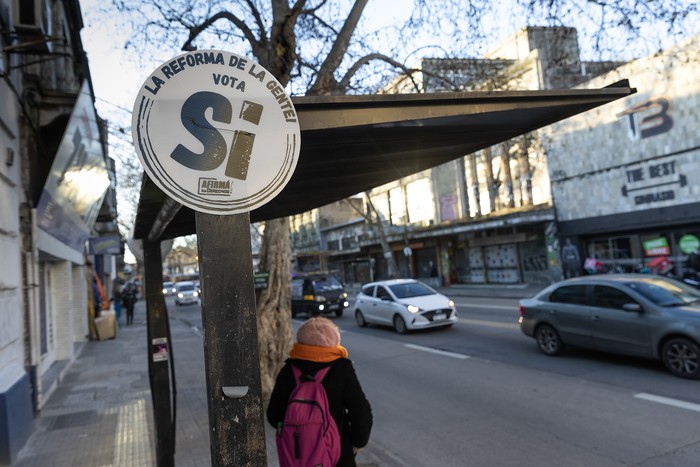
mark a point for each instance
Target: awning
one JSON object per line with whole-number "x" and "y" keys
{"x": 350, "y": 144}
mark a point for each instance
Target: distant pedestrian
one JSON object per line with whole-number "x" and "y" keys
{"x": 117, "y": 299}
{"x": 128, "y": 301}
{"x": 318, "y": 347}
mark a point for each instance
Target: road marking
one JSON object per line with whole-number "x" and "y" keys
{"x": 436, "y": 351}
{"x": 492, "y": 324}
{"x": 668, "y": 401}
{"x": 478, "y": 305}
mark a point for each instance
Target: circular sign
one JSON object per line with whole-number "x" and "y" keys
{"x": 216, "y": 132}
{"x": 689, "y": 244}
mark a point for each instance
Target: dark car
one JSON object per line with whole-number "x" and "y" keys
{"x": 317, "y": 295}
{"x": 633, "y": 314}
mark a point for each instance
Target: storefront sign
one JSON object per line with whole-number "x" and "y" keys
{"x": 655, "y": 182}
{"x": 78, "y": 180}
{"x": 105, "y": 245}
{"x": 216, "y": 132}
{"x": 656, "y": 247}
{"x": 261, "y": 280}
{"x": 689, "y": 244}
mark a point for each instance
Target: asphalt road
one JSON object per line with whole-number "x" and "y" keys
{"x": 481, "y": 394}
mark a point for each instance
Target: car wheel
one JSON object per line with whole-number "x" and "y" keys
{"x": 339, "y": 313}
{"x": 360, "y": 318}
{"x": 682, "y": 357}
{"x": 548, "y": 340}
{"x": 400, "y": 324}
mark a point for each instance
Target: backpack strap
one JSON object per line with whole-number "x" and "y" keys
{"x": 318, "y": 376}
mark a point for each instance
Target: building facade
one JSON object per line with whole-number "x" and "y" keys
{"x": 532, "y": 209}
{"x": 624, "y": 177}
{"x": 58, "y": 233}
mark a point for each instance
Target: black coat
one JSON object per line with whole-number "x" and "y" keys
{"x": 346, "y": 400}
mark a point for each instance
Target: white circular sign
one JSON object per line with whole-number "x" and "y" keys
{"x": 216, "y": 132}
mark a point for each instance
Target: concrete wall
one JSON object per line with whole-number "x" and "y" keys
{"x": 638, "y": 153}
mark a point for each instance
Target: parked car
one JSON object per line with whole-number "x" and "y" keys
{"x": 186, "y": 293}
{"x": 168, "y": 288}
{"x": 633, "y": 314}
{"x": 405, "y": 304}
{"x": 318, "y": 294}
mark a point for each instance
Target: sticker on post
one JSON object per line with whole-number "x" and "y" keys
{"x": 160, "y": 349}
{"x": 216, "y": 132}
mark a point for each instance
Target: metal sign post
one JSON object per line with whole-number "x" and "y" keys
{"x": 231, "y": 358}
{"x": 217, "y": 133}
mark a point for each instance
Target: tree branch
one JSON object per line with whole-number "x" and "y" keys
{"x": 325, "y": 81}
{"x": 255, "y": 43}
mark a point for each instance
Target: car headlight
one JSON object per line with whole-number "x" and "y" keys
{"x": 321, "y": 307}
{"x": 320, "y": 298}
{"x": 195, "y": 294}
{"x": 180, "y": 295}
{"x": 413, "y": 308}
{"x": 343, "y": 295}
{"x": 165, "y": 291}
{"x": 451, "y": 304}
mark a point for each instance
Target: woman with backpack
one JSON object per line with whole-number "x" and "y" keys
{"x": 317, "y": 349}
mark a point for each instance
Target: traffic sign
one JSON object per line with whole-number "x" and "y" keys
{"x": 216, "y": 132}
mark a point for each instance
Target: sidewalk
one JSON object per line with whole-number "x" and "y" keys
{"x": 517, "y": 291}
{"x": 101, "y": 413}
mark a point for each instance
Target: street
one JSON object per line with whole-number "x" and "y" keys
{"x": 481, "y": 393}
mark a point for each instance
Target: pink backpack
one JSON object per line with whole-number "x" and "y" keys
{"x": 308, "y": 436}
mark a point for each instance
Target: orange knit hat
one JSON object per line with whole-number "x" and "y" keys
{"x": 319, "y": 331}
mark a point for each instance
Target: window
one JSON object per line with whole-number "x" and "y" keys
{"x": 574, "y": 294}
{"x": 382, "y": 293}
{"x": 610, "y": 297}
{"x": 368, "y": 290}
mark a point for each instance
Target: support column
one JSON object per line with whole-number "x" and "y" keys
{"x": 160, "y": 356}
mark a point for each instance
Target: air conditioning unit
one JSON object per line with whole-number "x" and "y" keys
{"x": 32, "y": 23}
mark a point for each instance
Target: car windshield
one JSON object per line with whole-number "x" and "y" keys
{"x": 327, "y": 283}
{"x": 186, "y": 288}
{"x": 665, "y": 292}
{"x": 411, "y": 289}
{"x": 167, "y": 284}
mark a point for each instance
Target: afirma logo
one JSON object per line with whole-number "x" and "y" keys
{"x": 212, "y": 186}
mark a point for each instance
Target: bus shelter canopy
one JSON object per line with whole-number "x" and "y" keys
{"x": 350, "y": 144}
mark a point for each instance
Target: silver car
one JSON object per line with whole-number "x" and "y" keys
{"x": 405, "y": 304}
{"x": 633, "y": 314}
{"x": 186, "y": 293}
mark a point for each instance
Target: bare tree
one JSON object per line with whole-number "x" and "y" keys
{"x": 375, "y": 219}
{"x": 323, "y": 47}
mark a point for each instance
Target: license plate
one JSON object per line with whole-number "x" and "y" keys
{"x": 439, "y": 316}
{"x": 333, "y": 306}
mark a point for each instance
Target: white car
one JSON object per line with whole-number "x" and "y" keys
{"x": 186, "y": 293}
{"x": 405, "y": 304}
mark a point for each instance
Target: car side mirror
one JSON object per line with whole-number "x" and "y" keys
{"x": 636, "y": 307}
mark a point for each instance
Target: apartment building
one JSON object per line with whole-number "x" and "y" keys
{"x": 58, "y": 233}
{"x": 487, "y": 217}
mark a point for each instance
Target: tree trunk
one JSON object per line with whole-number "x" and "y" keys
{"x": 377, "y": 222}
{"x": 507, "y": 178}
{"x": 490, "y": 181}
{"x": 274, "y": 303}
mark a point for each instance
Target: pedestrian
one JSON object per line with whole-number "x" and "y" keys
{"x": 317, "y": 347}
{"x": 128, "y": 301}
{"x": 117, "y": 299}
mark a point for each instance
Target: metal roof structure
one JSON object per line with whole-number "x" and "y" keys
{"x": 350, "y": 144}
